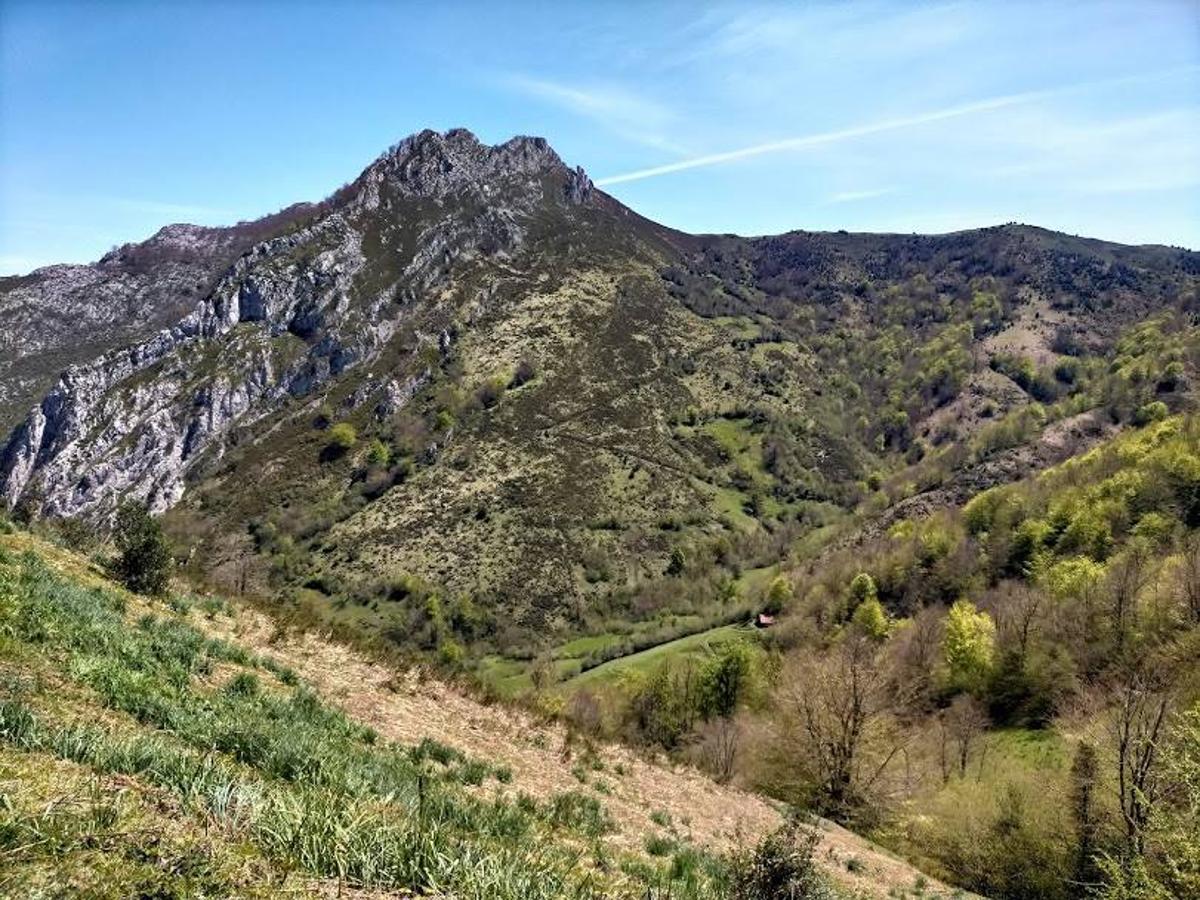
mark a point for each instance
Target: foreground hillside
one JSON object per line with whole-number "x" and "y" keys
{"x": 185, "y": 747}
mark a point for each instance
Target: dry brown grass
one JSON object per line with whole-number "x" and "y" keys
{"x": 407, "y": 706}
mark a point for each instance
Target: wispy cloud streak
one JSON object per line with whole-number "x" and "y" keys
{"x": 852, "y": 196}
{"x": 872, "y": 128}
{"x": 627, "y": 114}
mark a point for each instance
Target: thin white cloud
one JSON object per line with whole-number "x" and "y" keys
{"x": 629, "y": 115}
{"x": 853, "y": 196}
{"x": 862, "y": 30}
{"x": 872, "y": 128}
{"x": 827, "y": 137}
{"x": 1134, "y": 154}
{"x": 1167, "y": 181}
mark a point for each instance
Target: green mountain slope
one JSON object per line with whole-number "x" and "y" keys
{"x": 471, "y": 375}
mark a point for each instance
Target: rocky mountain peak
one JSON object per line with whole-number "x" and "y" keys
{"x": 431, "y": 163}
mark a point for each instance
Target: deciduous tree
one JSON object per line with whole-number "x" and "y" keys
{"x": 145, "y": 561}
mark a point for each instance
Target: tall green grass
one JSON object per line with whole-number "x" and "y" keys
{"x": 262, "y": 758}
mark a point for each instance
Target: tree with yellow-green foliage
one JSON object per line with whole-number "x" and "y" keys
{"x": 779, "y": 596}
{"x": 862, "y": 587}
{"x": 871, "y": 620}
{"x": 866, "y": 612}
{"x": 1073, "y": 578}
{"x": 968, "y": 647}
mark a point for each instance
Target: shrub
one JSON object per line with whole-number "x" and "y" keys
{"x": 659, "y": 845}
{"x": 451, "y": 653}
{"x": 1025, "y": 691}
{"x": 660, "y": 709}
{"x": 323, "y": 417}
{"x": 342, "y": 437}
{"x": 1155, "y": 528}
{"x": 1067, "y": 371}
{"x": 982, "y": 509}
{"x": 490, "y": 392}
{"x": 1087, "y": 533}
{"x": 781, "y": 866}
{"x": 379, "y": 454}
{"x": 144, "y": 565}
{"x": 1150, "y": 412}
{"x": 244, "y": 684}
{"x": 677, "y": 563}
{"x": 581, "y": 813}
{"x": 724, "y": 679}
{"x": 1028, "y": 539}
{"x": 523, "y": 375}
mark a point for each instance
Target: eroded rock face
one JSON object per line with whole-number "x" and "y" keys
{"x": 291, "y": 314}
{"x": 579, "y": 186}
{"x": 129, "y": 422}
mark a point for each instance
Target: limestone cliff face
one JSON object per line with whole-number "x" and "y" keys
{"x": 289, "y": 315}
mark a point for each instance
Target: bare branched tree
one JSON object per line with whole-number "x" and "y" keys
{"x": 837, "y": 706}
{"x": 917, "y": 650}
{"x": 1084, "y": 778}
{"x": 1127, "y": 575}
{"x": 1020, "y": 613}
{"x": 961, "y": 724}
{"x": 719, "y": 740}
{"x": 1189, "y": 576}
{"x": 1142, "y": 700}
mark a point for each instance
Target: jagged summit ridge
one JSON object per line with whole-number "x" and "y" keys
{"x": 433, "y": 164}
{"x": 460, "y": 148}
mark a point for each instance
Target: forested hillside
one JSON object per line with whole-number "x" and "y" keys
{"x": 1007, "y": 692}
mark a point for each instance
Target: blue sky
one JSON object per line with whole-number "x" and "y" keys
{"x": 117, "y": 118}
